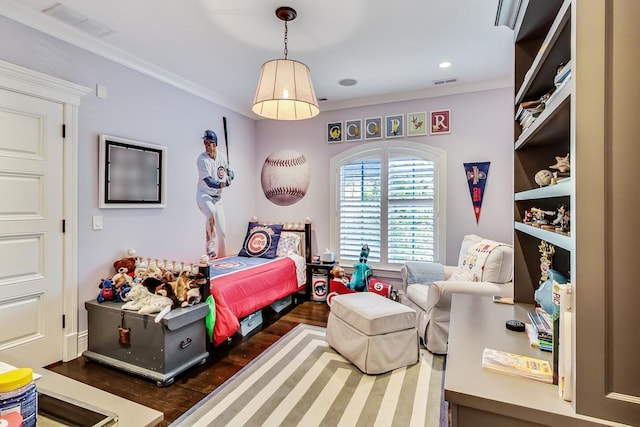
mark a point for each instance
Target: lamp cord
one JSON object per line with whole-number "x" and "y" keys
{"x": 286, "y": 39}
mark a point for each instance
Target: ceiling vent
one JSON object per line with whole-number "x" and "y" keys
{"x": 444, "y": 82}
{"x": 77, "y": 20}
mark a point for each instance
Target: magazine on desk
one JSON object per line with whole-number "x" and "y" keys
{"x": 516, "y": 364}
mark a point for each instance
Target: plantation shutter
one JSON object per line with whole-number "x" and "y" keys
{"x": 360, "y": 207}
{"x": 411, "y": 216}
{"x": 387, "y": 201}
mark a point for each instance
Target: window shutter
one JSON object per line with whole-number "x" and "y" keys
{"x": 411, "y": 216}
{"x": 360, "y": 207}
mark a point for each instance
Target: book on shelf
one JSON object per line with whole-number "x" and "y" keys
{"x": 517, "y": 364}
{"x": 565, "y": 357}
{"x": 562, "y": 303}
{"x": 563, "y": 73}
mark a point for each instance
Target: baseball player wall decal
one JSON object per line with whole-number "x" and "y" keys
{"x": 285, "y": 177}
{"x": 214, "y": 174}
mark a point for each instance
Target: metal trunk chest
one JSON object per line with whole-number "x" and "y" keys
{"x": 158, "y": 351}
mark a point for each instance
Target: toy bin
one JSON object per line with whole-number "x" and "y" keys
{"x": 134, "y": 343}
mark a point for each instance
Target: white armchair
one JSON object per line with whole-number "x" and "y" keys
{"x": 485, "y": 267}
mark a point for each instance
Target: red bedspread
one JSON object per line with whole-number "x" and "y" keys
{"x": 241, "y": 286}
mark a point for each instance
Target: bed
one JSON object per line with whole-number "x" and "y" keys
{"x": 244, "y": 283}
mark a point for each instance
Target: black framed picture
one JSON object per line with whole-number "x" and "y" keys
{"x": 132, "y": 173}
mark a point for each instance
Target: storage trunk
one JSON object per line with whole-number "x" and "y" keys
{"x": 158, "y": 351}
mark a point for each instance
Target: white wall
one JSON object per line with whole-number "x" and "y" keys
{"x": 481, "y": 131}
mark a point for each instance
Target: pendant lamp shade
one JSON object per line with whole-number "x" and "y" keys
{"x": 285, "y": 91}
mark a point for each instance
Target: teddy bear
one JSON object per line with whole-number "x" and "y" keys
{"x": 181, "y": 286}
{"x": 126, "y": 266}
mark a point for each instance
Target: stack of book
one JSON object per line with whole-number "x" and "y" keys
{"x": 563, "y": 75}
{"x": 527, "y": 112}
{"x": 542, "y": 326}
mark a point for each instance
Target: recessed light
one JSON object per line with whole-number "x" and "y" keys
{"x": 348, "y": 82}
{"x": 445, "y": 64}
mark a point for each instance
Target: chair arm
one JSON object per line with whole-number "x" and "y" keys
{"x": 448, "y": 270}
{"x": 440, "y": 292}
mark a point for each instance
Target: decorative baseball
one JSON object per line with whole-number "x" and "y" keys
{"x": 285, "y": 177}
{"x": 543, "y": 177}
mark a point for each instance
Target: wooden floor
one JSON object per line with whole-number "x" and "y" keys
{"x": 196, "y": 383}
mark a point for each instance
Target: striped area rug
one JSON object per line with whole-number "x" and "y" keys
{"x": 301, "y": 381}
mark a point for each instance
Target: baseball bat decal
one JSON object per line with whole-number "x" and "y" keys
{"x": 226, "y": 141}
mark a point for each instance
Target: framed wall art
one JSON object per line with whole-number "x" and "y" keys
{"x": 394, "y": 126}
{"x": 353, "y": 130}
{"x": 373, "y": 128}
{"x": 416, "y": 124}
{"x": 334, "y": 132}
{"x": 440, "y": 122}
{"x": 132, "y": 174}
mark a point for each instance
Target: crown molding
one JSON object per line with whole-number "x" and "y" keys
{"x": 38, "y": 21}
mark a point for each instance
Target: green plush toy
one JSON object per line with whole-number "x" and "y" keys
{"x": 361, "y": 272}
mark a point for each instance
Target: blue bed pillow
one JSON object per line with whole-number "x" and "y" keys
{"x": 261, "y": 240}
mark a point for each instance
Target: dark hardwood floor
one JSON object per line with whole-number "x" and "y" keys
{"x": 197, "y": 382}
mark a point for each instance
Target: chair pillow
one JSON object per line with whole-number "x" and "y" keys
{"x": 486, "y": 260}
{"x": 261, "y": 240}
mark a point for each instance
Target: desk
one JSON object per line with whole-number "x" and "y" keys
{"x": 130, "y": 414}
{"x": 479, "y": 397}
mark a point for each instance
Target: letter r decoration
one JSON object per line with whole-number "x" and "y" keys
{"x": 440, "y": 122}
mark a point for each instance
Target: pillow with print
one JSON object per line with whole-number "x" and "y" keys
{"x": 288, "y": 244}
{"x": 261, "y": 240}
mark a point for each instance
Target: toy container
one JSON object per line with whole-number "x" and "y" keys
{"x": 18, "y": 394}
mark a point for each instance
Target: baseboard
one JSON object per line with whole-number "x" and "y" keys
{"x": 83, "y": 342}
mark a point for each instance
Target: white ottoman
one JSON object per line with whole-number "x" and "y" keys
{"x": 373, "y": 332}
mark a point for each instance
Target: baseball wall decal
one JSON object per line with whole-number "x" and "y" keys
{"x": 285, "y": 177}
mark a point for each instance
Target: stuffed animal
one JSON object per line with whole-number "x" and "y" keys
{"x": 361, "y": 272}
{"x": 193, "y": 295}
{"x": 337, "y": 273}
{"x": 125, "y": 265}
{"x": 166, "y": 290}
{"x": 151, "y": 283}
{"x": 182, "y": 284}
{"x": 144, "y": 302}
{"x": 107, "y": 292}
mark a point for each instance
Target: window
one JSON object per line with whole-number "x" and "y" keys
{"x": 388, "y": 197}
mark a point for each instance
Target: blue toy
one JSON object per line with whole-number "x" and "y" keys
{"x": 107, "y": 292}
{"x": 544, "y": 294}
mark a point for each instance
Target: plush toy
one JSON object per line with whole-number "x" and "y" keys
{"x": 145, "y": 302}
{"x": 337, "y": 273}
{"x": 166, "y": 290}
{"x": 126, "y": 266}
{"x": 107, "y": 292}
{"x": 361, "y": 272}
{"x": 193, "y": 295}
{"x": 182, "y": 284}
{"x": 151, "y": 283}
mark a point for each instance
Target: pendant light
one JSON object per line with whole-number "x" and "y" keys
{"x": 285, "y": 91}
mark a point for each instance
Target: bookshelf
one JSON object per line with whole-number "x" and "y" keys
{"x": 591, "y": 118}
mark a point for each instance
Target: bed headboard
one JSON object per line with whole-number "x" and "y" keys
{"x": 303, "y": 229}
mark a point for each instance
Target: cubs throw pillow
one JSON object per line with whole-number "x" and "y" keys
{"x": 261, "y": 240}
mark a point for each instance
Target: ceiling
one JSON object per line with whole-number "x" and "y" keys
{"x": 215, "y": 48}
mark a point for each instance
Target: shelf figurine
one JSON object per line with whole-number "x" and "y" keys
{"x": 561, "y": 222}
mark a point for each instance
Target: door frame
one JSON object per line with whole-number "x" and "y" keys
{"x": 33, "y": 83}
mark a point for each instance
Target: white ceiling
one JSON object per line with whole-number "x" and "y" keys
{"x": 215, "y": 48}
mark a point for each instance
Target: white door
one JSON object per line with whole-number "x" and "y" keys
{"x": 31, "y": 235}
